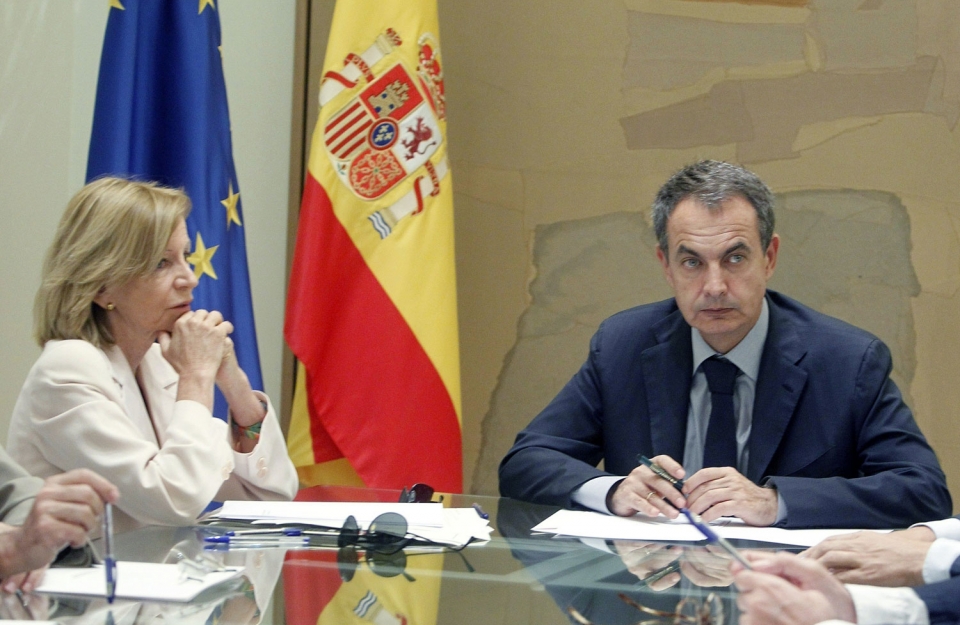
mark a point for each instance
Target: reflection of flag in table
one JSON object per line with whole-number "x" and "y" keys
{"x": 371, "y": 311}
{"x": 161, "y": 114}
{"x": 315, "y": 594}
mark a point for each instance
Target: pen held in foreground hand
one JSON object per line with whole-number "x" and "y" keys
{"x": 713, "y": 537}
{"x": 660, "y": 471}
{"x": 109, "y": 561}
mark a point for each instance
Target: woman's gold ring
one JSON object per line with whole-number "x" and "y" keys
{"x": 649, "y": 495}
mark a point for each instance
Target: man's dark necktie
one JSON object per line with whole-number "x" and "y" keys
{"x": 720, "y": 448}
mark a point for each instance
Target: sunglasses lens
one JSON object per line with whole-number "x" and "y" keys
{"x": 387, "y": 564}
{"x": 422, "y": 493}
{"x": 349, "y": 533}
{"x": 347, "y": 562}
{"x": 387, "y": 528}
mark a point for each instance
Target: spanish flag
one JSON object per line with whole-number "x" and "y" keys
{"x": 371, "y": 309}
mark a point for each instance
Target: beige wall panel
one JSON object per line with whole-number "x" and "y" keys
{"x": 492, "y": 280}
{"x": 935, "y": 390}
{"x": 865, "y": 35}
{"x": 907, "y": 155}
{"x": 936, "y": 245}
{"x": 938, "y": 34}
{"x": 656, "y": 60}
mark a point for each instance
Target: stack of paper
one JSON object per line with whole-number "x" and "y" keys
{"x": 431, "y": 521}
{"x": 584, "y": 524}
{"x": 135, "y": 580}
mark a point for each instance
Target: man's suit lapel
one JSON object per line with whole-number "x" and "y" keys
{"x": 667, "y": 370}
{"x": 779, "y": 386}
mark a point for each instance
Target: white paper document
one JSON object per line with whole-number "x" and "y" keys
{"x": 587, "y": 524}
{"x": 453, "y": 527}
{"x": 145, "y": 581}
{"x": 329, "y": 514}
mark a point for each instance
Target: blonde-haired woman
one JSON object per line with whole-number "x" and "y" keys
{"x": 125, "y": 383}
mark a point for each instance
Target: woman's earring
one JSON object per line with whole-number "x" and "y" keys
{"x": 110, "y": 306}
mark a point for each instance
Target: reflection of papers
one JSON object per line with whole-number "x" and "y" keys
{"x": 135, "y": 580}
{"x": 460, "y": 525}
{"x": 585, "y": 524}
{"x": 431, "y": 521}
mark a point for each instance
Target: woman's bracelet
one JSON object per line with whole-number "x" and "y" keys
{"x": 250, "y": 431}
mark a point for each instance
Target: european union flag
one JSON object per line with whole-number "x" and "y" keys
{"x": 161, "y": 114}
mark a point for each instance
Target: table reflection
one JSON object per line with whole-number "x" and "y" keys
{"x": 591, "y": 575}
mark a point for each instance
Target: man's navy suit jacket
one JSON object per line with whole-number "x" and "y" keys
{"x": 830, "y": 429}
{"x": 942, "y": 600}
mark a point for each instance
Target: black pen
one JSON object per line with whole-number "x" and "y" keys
{"x": 660, "y": 471}
{"x": 656, "y": 576}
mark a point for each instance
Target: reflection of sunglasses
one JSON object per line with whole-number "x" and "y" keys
{"x": 418, "y": 493}
{"x": 382, "y": 544}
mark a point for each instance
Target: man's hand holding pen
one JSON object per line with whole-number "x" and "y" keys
{"x": 712, "y": 493}
{"x": 646, "y": 492}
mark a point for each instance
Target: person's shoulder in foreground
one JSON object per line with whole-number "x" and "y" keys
{"x": 38, "y": 518}
{"x": 819, "y": 423}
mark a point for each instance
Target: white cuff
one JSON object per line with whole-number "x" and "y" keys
{"x": 945, "y": 528}
{"x": 940, "y": 557}
{"x": 593, "y": 494}
{"x": 888, "y": 606}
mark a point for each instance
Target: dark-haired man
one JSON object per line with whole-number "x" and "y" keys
{"x": 769, "y": 410}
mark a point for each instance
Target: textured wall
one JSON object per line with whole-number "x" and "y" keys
{"x": 566, "y": 116}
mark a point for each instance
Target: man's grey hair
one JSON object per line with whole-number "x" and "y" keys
{"x": 713, "y": 183}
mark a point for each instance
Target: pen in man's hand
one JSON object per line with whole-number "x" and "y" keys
{"x": 660, "y": 471}
{"x": 109, "y": 562}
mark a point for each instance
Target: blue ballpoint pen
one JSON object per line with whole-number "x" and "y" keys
{"x": 259, "y": 541}
{"x": 109, "y": 562}
{"x": 713, "y": 537}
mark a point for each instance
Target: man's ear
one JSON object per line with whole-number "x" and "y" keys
{"x": 771, "y": 254}
{"x": 665, "y": 263}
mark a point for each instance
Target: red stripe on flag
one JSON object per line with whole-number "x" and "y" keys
{"x": 360, "y": 129}
{"x": 310, "y": 581}
{"x": 353, "y": 107}
{"x": 371, "y": 387}
{"x": 336, "y": 129}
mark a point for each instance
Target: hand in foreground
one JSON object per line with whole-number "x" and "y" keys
{"x": 722, "y": 491}
{"x": 195, "y": 350}
{"x": 642, "y": 491}
{"x": 65, "y": 510}
{"x": 894, "y": 559}
{"x": 646, "y": 559}
{"x": 18, "y": 607}
{"x": 783, "y": 589}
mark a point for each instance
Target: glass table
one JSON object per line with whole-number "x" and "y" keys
{"x": 515, "y": 578}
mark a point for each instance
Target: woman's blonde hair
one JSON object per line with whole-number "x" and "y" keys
{"x": 113, "y": 230}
